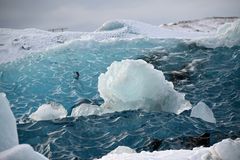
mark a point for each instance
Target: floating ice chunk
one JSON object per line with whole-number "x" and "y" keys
{"x": 122, "y": 149}
{"x": 86, "y": 110}
{"x": 225, "y": 150}
{"x": 201, "y": 110}
{"x": 49, "y": 111}
{"x": 135, "y": 84}
{"x": 21, "y": 152}
{"x": 8, "y": 129}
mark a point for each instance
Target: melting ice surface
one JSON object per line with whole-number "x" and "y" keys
{"x": 50, "y": 77}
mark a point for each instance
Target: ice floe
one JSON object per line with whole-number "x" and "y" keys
{"x": 49, "y": 111}
{"x": 227, "y": 149}
{"x": 202, "y": 111}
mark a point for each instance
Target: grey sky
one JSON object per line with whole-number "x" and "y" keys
{"x": 87, "y": 15}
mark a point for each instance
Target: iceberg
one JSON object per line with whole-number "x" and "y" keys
{"x": 227, "y": 149}
{"x": 10, "y": 149}
{"x": 21, "y": 152}
{"x": 8, "y": 133}
{"x": 202, "y": 111}
{"x": 135, "y": 84}
{"x": 49, "y": 111}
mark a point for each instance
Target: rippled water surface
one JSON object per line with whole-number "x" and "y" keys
{"x": 49, "y": 76}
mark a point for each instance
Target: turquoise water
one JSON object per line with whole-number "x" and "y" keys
{"x": 49, "y": 76}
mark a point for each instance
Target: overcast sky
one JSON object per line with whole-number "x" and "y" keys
{"x": 87, "y": 15}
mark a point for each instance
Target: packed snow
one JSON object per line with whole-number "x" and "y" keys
{"x": 10, "y": 149}
{"x": 135, "y": 84}
{"x": 8, "y": 129}
{"x": 227, "y": 149}
{"x": 49, "y": 111}
{"x": 202, "y": 111}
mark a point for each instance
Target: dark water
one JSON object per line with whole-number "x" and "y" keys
{"x": 50, "y": 77}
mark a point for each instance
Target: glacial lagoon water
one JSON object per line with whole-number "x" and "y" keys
{"x": 49, "y": 77}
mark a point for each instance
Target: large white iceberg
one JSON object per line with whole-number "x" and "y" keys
{"x": 227, "y": 149}
{"x": 8, "y": 129}
{"x": 9, "y": 145}
{"x": 202, "y": 111}
{"x": 135, "y": 84}
{"x": 49, "y": 111}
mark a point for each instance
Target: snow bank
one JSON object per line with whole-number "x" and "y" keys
{"x": 227, "y": 149}
{"x": 202, "y": 111}
{"x": 49, "y": 111}
{"x": 8, "y": 130}
{"x": 21, "y": 152}
{"x": 135, "y": 84}
{"x": 228, "y": 35}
